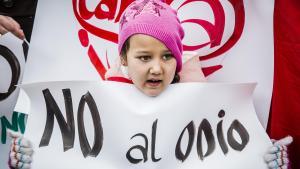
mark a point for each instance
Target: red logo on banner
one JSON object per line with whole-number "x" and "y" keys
{"x": 214, "y": 30}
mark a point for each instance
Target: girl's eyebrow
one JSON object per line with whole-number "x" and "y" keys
{"x": 143, "y": 52}
{"x": 167, "y": 52}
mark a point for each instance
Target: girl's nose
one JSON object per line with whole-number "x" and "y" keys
{"x": 156, "y": 67}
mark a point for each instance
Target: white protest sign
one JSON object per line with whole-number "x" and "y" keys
{"x": 79, "y": 40}
{"x": 13, "y": 52}
{"x": 113, "y": 125}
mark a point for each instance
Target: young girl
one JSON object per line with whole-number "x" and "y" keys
{"x": 150, "y": 47}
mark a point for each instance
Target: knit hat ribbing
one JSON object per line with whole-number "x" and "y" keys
{"x": 156, "y": 19}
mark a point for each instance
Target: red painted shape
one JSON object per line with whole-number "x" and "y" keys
{"x": 238, "y": 7}
{"x": 101, "y": 33}
{"x": 210, "y": 70}
{"x": 124, "y": 4}
{"x": 215, "y": 31}
{"x": 83, "y": 37}
{"x": 192, "y": 48}
{"x": 168, "y": 1}
{"x": 84, "y": 12}
{"x": 209, "y": 29}
{"x": 96, "y": 62}
{"x": 112, "y": 6}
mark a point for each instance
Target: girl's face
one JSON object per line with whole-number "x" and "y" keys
{"x": 151, "y": 66}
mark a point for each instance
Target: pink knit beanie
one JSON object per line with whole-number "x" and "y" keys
{"x": 156, "y": 19}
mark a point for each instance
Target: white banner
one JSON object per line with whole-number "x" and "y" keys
{"x": 234, "y": 40}
{"x": 76, "y": 125}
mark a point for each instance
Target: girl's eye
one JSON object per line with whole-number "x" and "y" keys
{"x": 167, "y": 56}
{"x": 144, "y": 58}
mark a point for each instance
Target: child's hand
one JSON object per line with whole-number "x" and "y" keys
{"x": 277, "y": 155}
{"x": 21, "y": 152}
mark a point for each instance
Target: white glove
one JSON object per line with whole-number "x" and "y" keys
{"x": 21, "y": 151}
{"x": 277, "y": 155}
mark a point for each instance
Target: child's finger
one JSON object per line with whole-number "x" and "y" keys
{"x": 270, "y": 157}
{"x": 21, "y": 157}
{"x": 284, "y": 141}
{"x": 14, "y": 134}
{"x": 282, "y": 167}
{"x": 276, "y": 149}
{"x": 278, "y": 163}
{"x": 17, "y": 164}
{"x": 22, "y": 150}
{"x": 23, "y": 142}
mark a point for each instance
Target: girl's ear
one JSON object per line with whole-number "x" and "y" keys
{"x": 123, "y": 60}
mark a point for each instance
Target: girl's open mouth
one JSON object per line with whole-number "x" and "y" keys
{"x": 153, "y": 82}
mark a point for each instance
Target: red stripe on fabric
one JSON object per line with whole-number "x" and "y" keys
{"x": 285, "y": 108}
{"x": 210, "y": 70}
